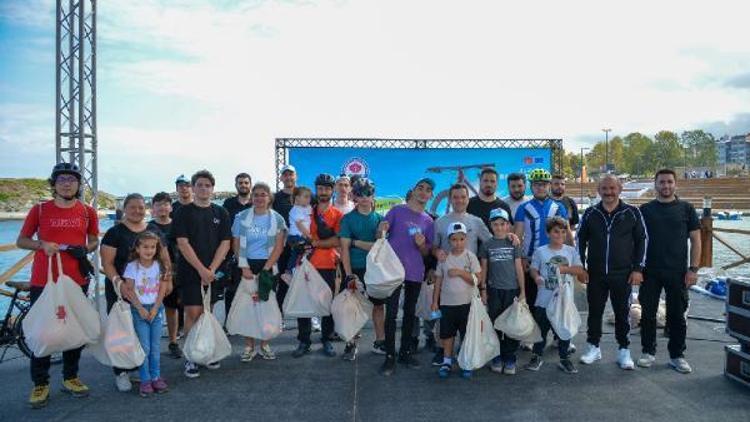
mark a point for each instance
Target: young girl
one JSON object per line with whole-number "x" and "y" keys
{"x": 300, "y": 218}
{"x": 144, "y": 274}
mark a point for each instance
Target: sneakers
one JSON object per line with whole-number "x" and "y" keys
{"x": 247, "y": 355}
{"x": 328, "y": 349}
{"x": 301, "y": 350}
{"x": 378, "y": 347}
{"x": 350, "y": 352}
{"x": 535, "y": 363}
{"x": 266, "y": 353}
{"x": 174, "y": 351}
{"x": 146, "y": 389}
{"x": 315, "y": 324}
{"x": 160, "y": 386}
{"x": 593, "y": 354}
{"x": 39, "y": 396}
{"x": 122, "y": 382}
{"x": 437, "y": 360}
{"x": 572, "y": 349}
{"x": 213, "y": 366}
{"x": 466, "y": 374}
{"x": 624, "y": 360}
{"x": 497, "y": 365}
{"x": 191, "y": 370}
{"x": 509, "y": 368}
{"x": 444, "y": 371}
{"x": 409, "y": 360}
{"x": 680, "y": 365}
{"x": 389, "y": 366}
{"x": 566, "y": 365}
{"x": 646, "y": 360}
{"x": 75, "y": 387}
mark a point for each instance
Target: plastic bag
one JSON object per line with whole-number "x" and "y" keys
{"x": 384, "y": 273}
{"x": 480, "y": 343}
{"x": 62, "y": 318}
{"x": 206, "y": 343}
{"x": 253, "y": 318}
{"x": 220, "y": 311}
{"x": 309, "y": 295}
{"x": 119, "y": 345}
{"x": 424, "y": 302}
{"x": 350, "y": 310}
{"x": 562, "y": 312}
{"x": 516, "y": 322}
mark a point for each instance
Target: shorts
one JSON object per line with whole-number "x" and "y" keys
{"x": 172, "y": 300}
{"x": 191, "y": 291}
{"x": 454, "y": 320}
{"x": 360, "y": 272}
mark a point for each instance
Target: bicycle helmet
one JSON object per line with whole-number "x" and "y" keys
{"x": 363, "y": 187}
{"x": 65, "y": 168}
{"x": 325, "y": 179}
{"x": 539, "y": 175}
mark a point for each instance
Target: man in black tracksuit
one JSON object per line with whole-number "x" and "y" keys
{"x": 671, "y": 222}
{"x": 615, "y": 235}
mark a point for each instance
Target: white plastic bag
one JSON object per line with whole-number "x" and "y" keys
{"x": 562, "y": 312}
{"x": 424, "y": 302}
{"x": 62, "y": 318}
{"x": 384, "y": 273}
{"x": 119, "y": 345}
{"x": 350, "y": 310}
{"x": 309, "y": 295}
{"x": 259, "y": 320}
{"x": 480, "y": 343}
{"x": 516, "y": 322}
{"x": 206, "y": 343}
{"x": 220, "y": 311}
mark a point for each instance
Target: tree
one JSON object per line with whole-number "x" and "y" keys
{"x": 666, "y": 150}
{"x": 617, "y": 154}
{"x": 636, "y": 147}
{"x": 700, "y": 148}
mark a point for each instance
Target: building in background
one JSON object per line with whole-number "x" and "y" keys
{"x": 733, "y": 150}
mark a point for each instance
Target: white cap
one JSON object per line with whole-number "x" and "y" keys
{"x": 456, "y": 227}
{"x": 288, "y": 167}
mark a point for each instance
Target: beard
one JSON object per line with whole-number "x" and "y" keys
{"x": 516, "y": 195}
{"x": 243, "y": 192}
{"x": 488, "y": 190}
{"x": 324, "y": 198}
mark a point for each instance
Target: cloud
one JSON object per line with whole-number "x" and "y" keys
{"x": 738, "y": 124}
{"x": 741, "y": 81}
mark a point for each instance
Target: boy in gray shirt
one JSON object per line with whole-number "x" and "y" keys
{"x": 503, "y": 283}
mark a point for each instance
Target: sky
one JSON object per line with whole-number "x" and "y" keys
{"x": 184, "y": 85}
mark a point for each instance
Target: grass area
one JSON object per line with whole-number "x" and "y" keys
{"x": 20, "y": 194}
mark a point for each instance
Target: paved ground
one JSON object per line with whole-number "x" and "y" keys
{"x": 316, "y": 388}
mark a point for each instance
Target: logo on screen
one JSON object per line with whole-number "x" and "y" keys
{"x": 528, "y": 160}
{"x": 356, "y": 166}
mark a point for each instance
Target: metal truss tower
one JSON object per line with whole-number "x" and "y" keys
{"x": 75, "y": 102}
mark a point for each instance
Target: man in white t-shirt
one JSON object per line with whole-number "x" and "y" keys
{"x": 516, "y": 191}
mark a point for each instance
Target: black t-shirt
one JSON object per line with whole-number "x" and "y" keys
{"x": 176, "y": 205}
{"x": 233, "y": 207}
{"x": 572, "y": 208}
{"x": 165, "y": 232}
{"x": 205, "y": 228}
{"x": 282, "y": 204}
{"x": 668, "y": 225}
{"x": 121, "y": 238}
{"x": 482, "y": 209}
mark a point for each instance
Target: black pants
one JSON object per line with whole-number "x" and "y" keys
{"x": 676, "y": 292}
{"x": 498, "y": 300}
{"x": 618, "y": 289}
{"x": 411, "y": 294}
{"x": 540, "y": 316}
{"x": 281, "y": 286}
{"x": 304, "y": 325}
{"x": 230, "y": 289}
{"x": 40, "y": 366}
{"x": 530, "y": 290}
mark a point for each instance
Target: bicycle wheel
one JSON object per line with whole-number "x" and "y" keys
{"x": 436, "y": 202}
{"x": 18, "y": 331}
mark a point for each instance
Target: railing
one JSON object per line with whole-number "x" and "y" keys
{"x": 15, "y": 268}
{"x": 709, "y": 232}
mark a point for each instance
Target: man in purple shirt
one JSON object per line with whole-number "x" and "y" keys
{"x": 410, "y": 233}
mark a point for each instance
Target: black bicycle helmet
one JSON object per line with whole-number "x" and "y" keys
{"x": 363, "y": 187}
{"x": 65, "y": 168}
{"x": 325, "y": 179}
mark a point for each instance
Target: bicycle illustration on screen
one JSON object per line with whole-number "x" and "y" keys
{"x": 460, "y": 178}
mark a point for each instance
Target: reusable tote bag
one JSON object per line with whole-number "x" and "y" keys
{"x": 350, "y": 310}
{"x": 480, "y": 343}
{"x": 119, "y": 345}
{"x": 384, "y": 271}
{"x": 248, "y": 317}
{"x": 516, "y": 322}
{"x": 562, "y": 313}
{"x": 206, "y": 343}
{"x": 309, "y": 295}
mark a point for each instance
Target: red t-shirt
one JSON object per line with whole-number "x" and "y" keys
{"x": 64, "y": 226}
{"x": 325, "y": 259}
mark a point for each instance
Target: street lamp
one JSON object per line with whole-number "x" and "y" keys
{"x": 581, "y": 178}
{"x": 606, "y": 149}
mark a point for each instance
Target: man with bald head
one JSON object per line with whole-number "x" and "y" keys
{"x": 614, "y": 235}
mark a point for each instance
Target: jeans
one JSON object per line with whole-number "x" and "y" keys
{"x": 677, "y": 299}
{"x": 294, "y": 253}
{"x": 618, "y": 289}
{"x": 498, "y": 300}
{"x": 149, "y": 334}
{"x": 40, "y": 365}
{"x": 411, "y": 294}
{"x": 305, "y": 325}
{"x": 540, "y": 316}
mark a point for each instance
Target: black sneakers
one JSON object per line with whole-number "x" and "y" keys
{"x": 388, "y": 367}
{"x": 174, "y": 351}
{"x": 409, "y": 360}
{"x": 301, "y": 350}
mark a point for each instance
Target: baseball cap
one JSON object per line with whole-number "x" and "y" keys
{"x": 426, "y": 180}
{"x": 499, "y": 213}
{"x": 288, "y": 167}
{"x": 456, "y": 227}
{"x": 181, "y": 179}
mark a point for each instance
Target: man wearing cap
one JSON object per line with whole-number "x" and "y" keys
{"x": 410, "y": 232}
{"x": 184, "y": 194}
{"x": 516, "y": 192}
{"x": 282, "y": 204}
{"x": 243, "y": 183}
{"x": 324, "y": 228}
{"x": 487, "y": 200}
{"x": 343, "y": 192}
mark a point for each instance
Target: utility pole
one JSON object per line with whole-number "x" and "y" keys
{"x": 581, "y": 173}
{"x": 606, "y": 149}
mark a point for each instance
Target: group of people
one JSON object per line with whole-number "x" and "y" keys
{"x": 517, "y": 248}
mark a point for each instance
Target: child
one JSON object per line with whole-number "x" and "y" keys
{"x": 503, "y": 279}
{"x": 454, "y": 284}
{"x": 300, "y": 217}
{"x": 143, "y": 274}
{"x": 545, "y": 264}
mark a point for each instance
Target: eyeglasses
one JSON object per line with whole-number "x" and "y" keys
{"x": 66, "y": 178}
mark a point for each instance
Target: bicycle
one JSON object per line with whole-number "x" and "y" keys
{"x": 11, "y": 327}
{"x": 461, "y": 178}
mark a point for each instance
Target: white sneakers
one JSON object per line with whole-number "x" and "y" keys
{"x": 122, "y": 381}
{"x": 624, "y": 360}
{"x": 680, "y": 365}
{"x": 646, "y": 360}
{"x": 593, "y": 354}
